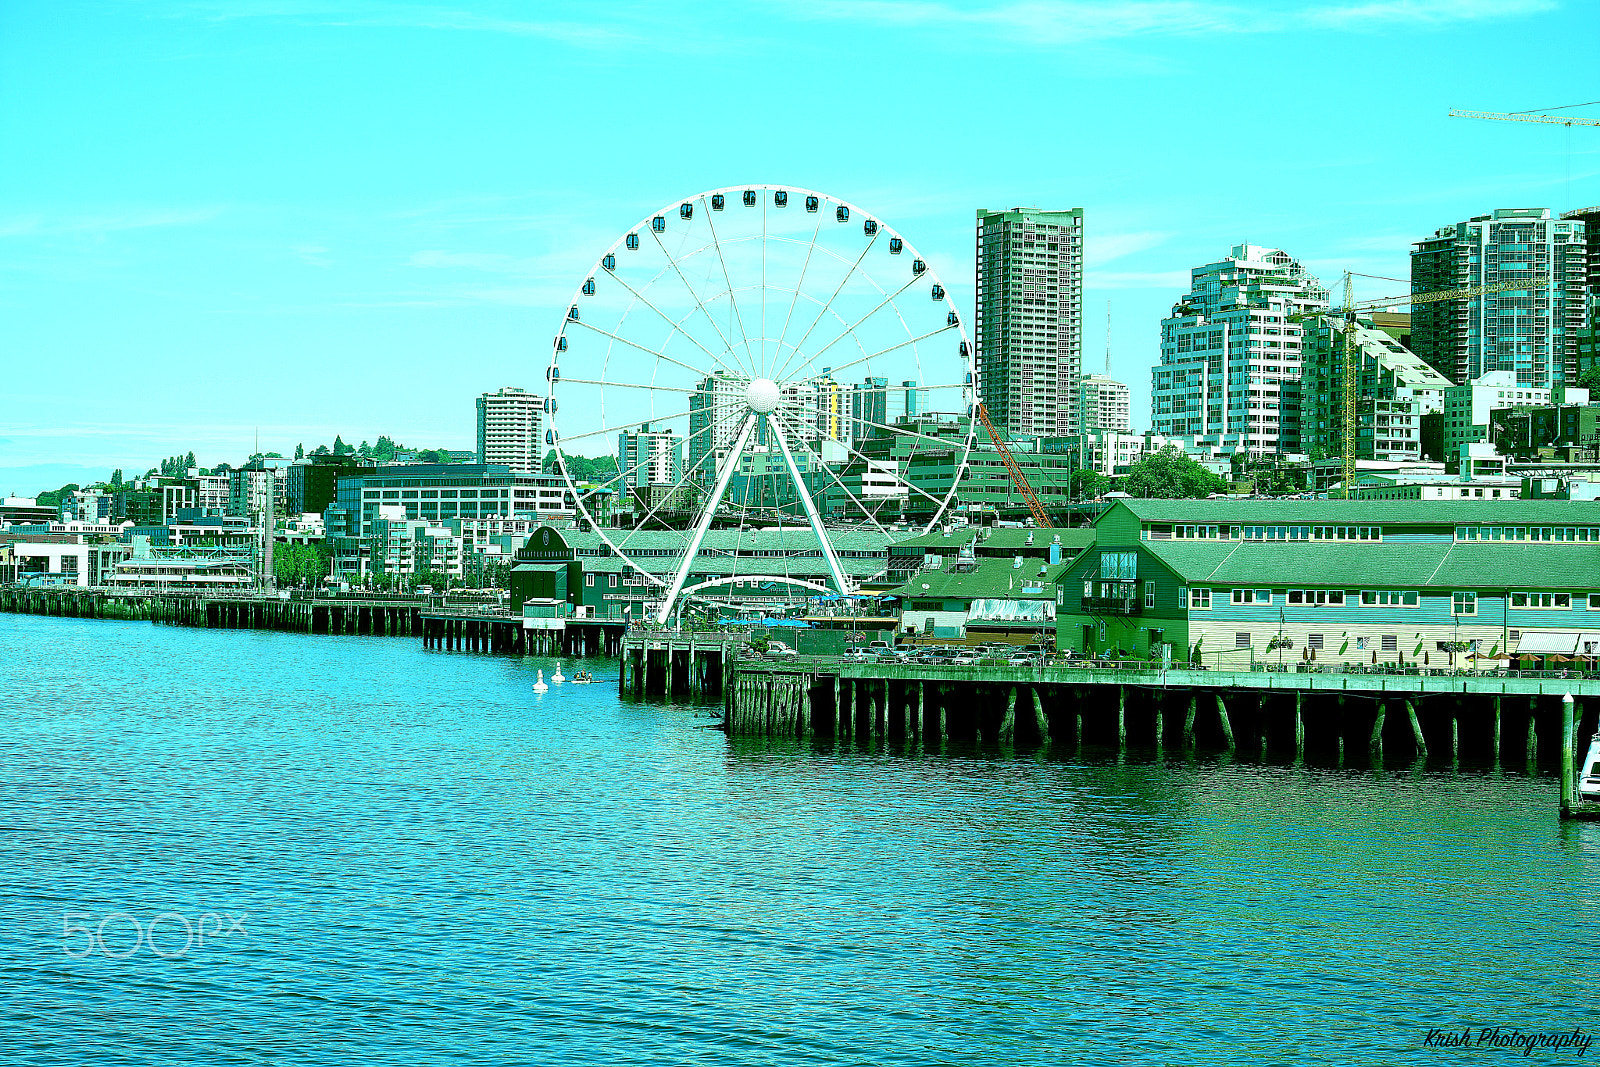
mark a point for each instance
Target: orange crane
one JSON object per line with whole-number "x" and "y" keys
{"x": 1018, "y": 479}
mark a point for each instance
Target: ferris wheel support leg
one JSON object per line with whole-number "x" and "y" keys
{"x": 705, "y": 520}
{"x": 811, "y": 510}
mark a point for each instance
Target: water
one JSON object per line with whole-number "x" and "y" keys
{"x": 401, "y": 856}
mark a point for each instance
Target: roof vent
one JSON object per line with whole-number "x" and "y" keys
{"x": 1030, "y": 537}
{"x": 1016, "y": 562}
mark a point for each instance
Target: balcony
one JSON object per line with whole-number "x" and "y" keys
{"x": 1111, "y": 605}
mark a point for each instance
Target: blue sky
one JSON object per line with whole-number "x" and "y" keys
{"x": 309, "y": 217}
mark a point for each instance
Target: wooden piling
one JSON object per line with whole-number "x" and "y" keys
{"x": 1497, "y": 729}
{"x": 1376, "y": 744}
{"x": 1122, "y": 717}
{"x": 1188, "y": 724}
{"x": 1299, "y": 728}
{"x": 1567, "y": 777}
{"x": 1008, "y": 724}
{"x": 1416, "y": 730}
{"x": 1040, "y": 722}
{"x": 1225, "y": 720}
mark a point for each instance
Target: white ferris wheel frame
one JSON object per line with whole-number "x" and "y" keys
{"x": 967, "y": 356}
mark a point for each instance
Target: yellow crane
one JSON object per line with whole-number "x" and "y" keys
{"x": 1352, "y": 373}
{"x": 1559, "y": 120}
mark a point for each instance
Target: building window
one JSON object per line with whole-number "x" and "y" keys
{"x": 1241, "y": 640}
{"x": 1149, "y": 594}
{"x": 588, "y": 579}
{"x": 1316, "y": 597}
{"x": 613, "y": 581}
{"x": 1463, "y": 603}
{"x": 1389, "y": 598}
{"x": 1594, "y": 601}
{"x": 1391, "y": 643}
{"x": 1252, "y": 596}
{"x": 1561, "y": 601}
{"x": 1200, "y": 598}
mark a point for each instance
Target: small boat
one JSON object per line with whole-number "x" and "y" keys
{"x": 1589, "y": 772}
{"x": 558, "y": 677}
{"x": 539, "y": 686}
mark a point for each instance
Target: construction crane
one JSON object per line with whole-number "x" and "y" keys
{"x": 1497, "y": 116}
{"x": 1352, "y": 374}
{"x": 1018, "y": 479}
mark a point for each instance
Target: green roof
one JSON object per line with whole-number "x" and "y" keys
{"x": 991, "y": 578}
{"x": 1382, "y": 566}
{"x": 1006, "y": 538}
{"x": 1412, "y": 512}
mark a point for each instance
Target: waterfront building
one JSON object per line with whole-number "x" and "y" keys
{"x": 509, "y": 430}
{"x": 61, "y": 558}
{"x": 183, "y": 572}
{"x": 1529, "y": 333}
{"x": 404, "y": 548}
{"x": 1105, "y": 405}
{"x": 1029, "y": 326}
{"x": 1233, "y": 582}
{"x": 649, "y": 457}
{"x": 1231, "y": 358}
{"x": 969, "y": 598}
{"x": 1396, "y": 391}
{"x": 434, "y": 492}
{"x": 936, "y": 547}
{"x": 1468, "y": 409}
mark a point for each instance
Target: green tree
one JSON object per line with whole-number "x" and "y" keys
{"x": 364, "y": 450}
{"x": 339, "y": 447}
{"x": 1590, "y": 378}
{"x": 1169, "y": 474}
{"x": 116, "y": 478}
{"x": 1089, "y": 484}
{"x": 189, "y": 460}
{"x": 299, "y": 451}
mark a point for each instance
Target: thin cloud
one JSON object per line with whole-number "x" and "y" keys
{"x": 107, "y": 222}
{"x": 1053, "y": 22}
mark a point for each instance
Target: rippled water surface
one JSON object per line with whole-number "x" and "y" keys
{"x": 406, "y": 856}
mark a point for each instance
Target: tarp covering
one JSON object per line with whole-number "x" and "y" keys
{"x": 1040, "y": 611}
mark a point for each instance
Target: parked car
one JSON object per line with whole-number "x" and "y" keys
{"x": 778, "y": 648}
{"x": 880, "y": 646}
{"x": 858, "y": 655}
{"x": 964, "y": 659}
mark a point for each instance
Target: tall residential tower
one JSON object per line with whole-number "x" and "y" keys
{"x": 1029, "y": 329}
{"x": 508, "y": 429}
{"x": 1531, "y": 332}
{"x": 1231, "y": 353}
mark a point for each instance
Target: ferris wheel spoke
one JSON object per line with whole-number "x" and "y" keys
{"x": 798, "y": 285}
{"x": 675, "y": 324}
{"x": 829, "y": 302}
{"x": 822, "y": 466}
{"x": 811, "y": 509}
{"x": 705, "y": 518}
{"x": 643, "y": 348}
{"x": 560, "y": 440}
{"x": 744, "y": 335}
{"x": 901, "y": 431}
{"x": 898, "y": 477}
{"x": 622, "y": 475}
{"x": 885, "y": 351}
{"x": 626, "y": 385}
{"x": 695, "y": 295}
{"x": 851, "y": 329}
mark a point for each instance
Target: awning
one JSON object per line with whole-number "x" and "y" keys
{"x": 1548, "y": 643}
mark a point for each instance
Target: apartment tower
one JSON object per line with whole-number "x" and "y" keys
{"x": 508, "y": 429}
{"x": 1029, "y": 328}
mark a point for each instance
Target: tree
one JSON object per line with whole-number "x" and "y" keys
{"x": 299, "y": 451}
{"x": 339, "y": 447}
{"x": 116, "y": 478}
{"x": 1170, "y": 474}
{"x": 1085, "y": 485}
{"x": 189, "y": 461}
{"x": 1590, "y": 378}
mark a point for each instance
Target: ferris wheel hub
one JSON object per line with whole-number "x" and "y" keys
{"x": 762, "y": 395}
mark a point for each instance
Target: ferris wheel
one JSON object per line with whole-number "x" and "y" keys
{"x": 770, "y": 362}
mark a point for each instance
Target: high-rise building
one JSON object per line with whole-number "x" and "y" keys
{"x": 1029, "y": 327}
{"x": 1394, "y": 390}
{"x": 1105, "y": 404}
{"x": 713, "y": 422}
{"x": 1530, "y": 332}
{"x": 1230, "y": 353}
{"x": 649, "y": 457}
{"x": 508, "y": 430}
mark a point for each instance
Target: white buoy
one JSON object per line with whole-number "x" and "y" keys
{"x": 558, "y": 677}
{"x": 539, "y": 686}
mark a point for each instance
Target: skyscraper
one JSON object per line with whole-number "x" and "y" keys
{"x": 508, "y": 429}
{"x": 1029, "y": 328}
{"x": 1531, "y": 332}
{"x": 649, "y": 457}
{"x": 713, "y": 422}
{"x": 1230, "y": 353}
{"x": 1105, "y": 404}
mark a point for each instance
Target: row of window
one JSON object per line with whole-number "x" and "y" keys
{"x": 1461, "y": 602}
{"x": 1198, "y": 532}
{"x": 1528, "y": 533}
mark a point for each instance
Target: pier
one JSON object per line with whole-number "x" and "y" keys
{"x": 1368, "y": 715}
{"x": 694, "y": 664}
